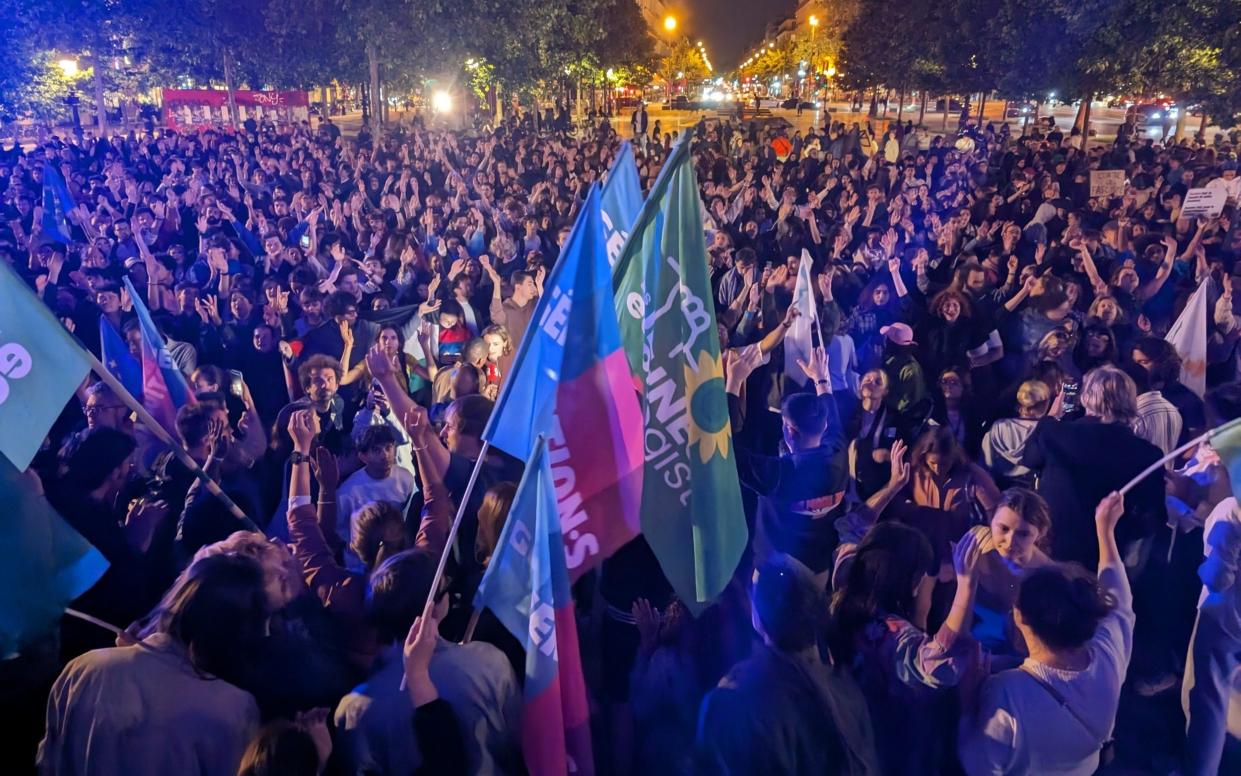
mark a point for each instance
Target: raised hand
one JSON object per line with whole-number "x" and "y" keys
{"x": 899, "y": 467}
{"x": 816, "y": 368}
{"x": 378, "y": 363}
{"x": 326, "y": 468}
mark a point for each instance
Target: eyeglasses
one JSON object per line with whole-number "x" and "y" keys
{"x": 90, "y": 409}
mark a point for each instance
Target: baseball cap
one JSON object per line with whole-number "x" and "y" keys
{"x": 899, "y": 333}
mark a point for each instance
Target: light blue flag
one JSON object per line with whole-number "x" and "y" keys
{"x": 118, "y": 360}
{"x": 621, "y": 202}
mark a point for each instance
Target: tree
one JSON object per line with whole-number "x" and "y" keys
{"x": 684, "y": 62}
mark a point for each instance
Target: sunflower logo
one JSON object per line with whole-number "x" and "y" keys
{"x": 708, "y": 407}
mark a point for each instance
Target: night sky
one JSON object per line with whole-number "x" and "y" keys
{"x": 729, "y": 27}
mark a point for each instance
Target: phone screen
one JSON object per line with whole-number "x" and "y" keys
{"x": 1070, "y": 391}
{"x": 305, "y": 241}
{"x": 236, "y": 382}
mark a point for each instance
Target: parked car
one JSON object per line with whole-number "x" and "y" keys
{"x": 1018, "y": 110}
{"x": 1155, "y": 113}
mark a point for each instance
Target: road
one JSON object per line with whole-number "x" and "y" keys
{"x": 1104, "y": 121}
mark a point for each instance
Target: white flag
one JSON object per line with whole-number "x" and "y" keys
{"x": 797, "y": 341}
{"x": 1189, "y": 336}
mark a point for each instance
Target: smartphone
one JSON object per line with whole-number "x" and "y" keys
{"x": 815, "y": 341}
{"x": 1069, "y": 391}
{"x": 236, "y": 383}
{"x": 305, "y": 241}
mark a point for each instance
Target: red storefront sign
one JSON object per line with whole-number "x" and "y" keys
{"x": 201, "y": 108}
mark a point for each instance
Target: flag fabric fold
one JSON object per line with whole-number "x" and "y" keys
{"x": 164, "y": 388}
{"x": 571, "y": 383}
{"x": 622, "y": 201}
{"x": 691, "y": 500}
{"x": 117, "y": 359}
{"x": 44, "y": 563}
{"x": 41, "y": 366}
{"x": 527, "y": 587}
{"x": 57, "y": 204}
{"x": 1189, "y": 336}
{"x": 798, "y": 340}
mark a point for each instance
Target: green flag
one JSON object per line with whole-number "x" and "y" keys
{"x": 40, "y": 368}
{"x": 691, "y": 501}
{"x": 44, "y": 563}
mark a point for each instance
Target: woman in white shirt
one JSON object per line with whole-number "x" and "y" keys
{"x": 1055, "y": 713}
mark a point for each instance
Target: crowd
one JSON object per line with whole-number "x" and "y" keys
{"x": 941, "y": 576}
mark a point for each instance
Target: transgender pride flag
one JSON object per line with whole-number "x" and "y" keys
{"x": 527, "y": 587}
{"x": 571, "y": 384}
{"x": 164, "y": 389}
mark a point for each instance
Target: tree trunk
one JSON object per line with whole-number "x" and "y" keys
{"x": 372, "y": 63}
{"x": 1182, "y": 120}
{"x": 1084, "y": 113}
{"x": 1202, "y": 125}
{"x": 922, "y": 108}
{"x": 874, "y": 103}
{"x": 323, "y": 107}
{"x": 499, "y": 104}
{"x": 947, "y": 110}
{"x": 101, "y": 110}
{"x": 900, "y": 105}
{"x": 982, "y": 108}
{"x": 230, "y": 89}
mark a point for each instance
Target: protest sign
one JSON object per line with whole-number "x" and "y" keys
{"x": 1204, "y": 203}
{"x": 1107, "y": 183}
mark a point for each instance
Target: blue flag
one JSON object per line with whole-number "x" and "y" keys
{"x": 527, "y": 587}
{"x": 118, "y": 360}
{"x": 622, "y": 201}
{"x": 57, "y": 203}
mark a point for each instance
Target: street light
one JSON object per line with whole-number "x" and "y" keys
{"x": 69, "y": 67}
{"x": 441, "y": 102}
{"x": 814, "y": 20}
{"x": 670, "y": 23}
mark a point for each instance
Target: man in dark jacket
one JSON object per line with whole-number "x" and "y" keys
{"x": 784, "y": 711}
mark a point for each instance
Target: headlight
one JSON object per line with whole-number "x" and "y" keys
{"x": 1156, "y": 115}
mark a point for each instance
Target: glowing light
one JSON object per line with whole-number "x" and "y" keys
{"x": 441, "y": 102}
{"x": 670, "y": 23}
{"x": 69, "y": 67}
{"x": 814, "y": 20}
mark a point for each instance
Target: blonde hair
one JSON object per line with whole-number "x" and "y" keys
{"x": 1110, "y": 395}
{"x": 1034, "y": 397}
{"x": 497, "y": 330}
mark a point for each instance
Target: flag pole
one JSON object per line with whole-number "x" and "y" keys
{"x": 1188, "y": 445}
{"x": 456, "y": 524}
{"x": 93, "y": 621}
{"x": 162, "y": 434}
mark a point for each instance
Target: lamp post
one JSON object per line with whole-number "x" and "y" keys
{"x": 70, "y": 68}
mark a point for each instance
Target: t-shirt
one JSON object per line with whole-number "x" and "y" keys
{"x": 1021, "y": 728}
{"x": 361, "y": 489}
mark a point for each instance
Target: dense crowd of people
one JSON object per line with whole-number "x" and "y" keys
{"x": 941, "y": 576}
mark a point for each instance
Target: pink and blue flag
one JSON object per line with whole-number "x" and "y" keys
{"x": 164, "y": 389}
{"x": 527, "y": 587}
{"x": 571, "y": 383}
